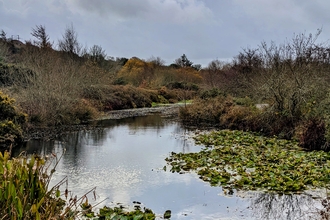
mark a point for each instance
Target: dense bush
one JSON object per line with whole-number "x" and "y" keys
{"x": 114, "y": 97}
{"x": 11, "y": 74}
{"x": 206, "y": 111}
{"x": 11, "y": 122}
{"x": 211, "y": 93}
{"x": 311, "y": 134}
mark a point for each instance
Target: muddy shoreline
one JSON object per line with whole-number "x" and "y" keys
{"x": 166, "y": 110}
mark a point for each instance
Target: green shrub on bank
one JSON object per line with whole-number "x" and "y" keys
{"x": 211, "y": 93}
{"x": 11, "y": 121}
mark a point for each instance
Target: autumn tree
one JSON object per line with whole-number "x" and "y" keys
{"x": 42, "y": 38}
{"x": 138, "y": 72}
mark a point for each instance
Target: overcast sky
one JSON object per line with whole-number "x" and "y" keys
{"x": 204, "y": 30}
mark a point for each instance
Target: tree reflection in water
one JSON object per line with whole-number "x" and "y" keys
{"x": 289, "y": 207}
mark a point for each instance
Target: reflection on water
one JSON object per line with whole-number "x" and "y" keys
{"x": 290, "y": 207}
{"x": 124, "y": 160}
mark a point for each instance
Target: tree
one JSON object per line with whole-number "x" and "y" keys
{"x": 70, "y": 43}
{"x": 156, "y": 61}
{"x": 39, "y": 32}
{"x": 137, "y": 71}
{"x": 212, "y": 72}
{"x": 293, "y": 79}
{"x": 97, "y": 54}
{"x": 197, "y": 67}
{"x": 291, "y": 73}
{"x": 183, "y": 61}
{"x": 3, "y": 35}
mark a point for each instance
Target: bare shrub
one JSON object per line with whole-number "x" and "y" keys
{"x": 56, "y": 89}
{"x": 240, "y": 118}
{"x": 311, "y": 134}
{"x": 206, "y": 111}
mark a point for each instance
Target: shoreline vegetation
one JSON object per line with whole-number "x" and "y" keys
{"x": 282, "y": 146}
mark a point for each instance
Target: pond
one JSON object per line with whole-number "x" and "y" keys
{"x": 125, "y": 158}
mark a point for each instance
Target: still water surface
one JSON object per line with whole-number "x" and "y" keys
{"x": 124, "y": 160}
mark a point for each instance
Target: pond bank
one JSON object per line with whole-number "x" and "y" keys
{"x": 48, "y": 133}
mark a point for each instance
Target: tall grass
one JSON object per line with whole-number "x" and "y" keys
{"x": 24, "y": 190}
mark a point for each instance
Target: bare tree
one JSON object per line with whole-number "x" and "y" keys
{"x": 291, "y": 74}
{"x": 97, "y": 54}
{"x": 69, "y": 42}
{"x": 212, "y": 72}
{"x": 42, "y": 38}
{"x": 157, "y": 61}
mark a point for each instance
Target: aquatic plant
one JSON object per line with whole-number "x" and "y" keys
{"x": 243, "y": 160}
{"x": 23, "y": 189}
{"x": 119, "y": 212}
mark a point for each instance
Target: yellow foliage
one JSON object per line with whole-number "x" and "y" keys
{"x": 188, "y": 74}
{"x": 137, "y": 71}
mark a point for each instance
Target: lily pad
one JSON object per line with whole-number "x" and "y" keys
{"x": 245, "y": 160}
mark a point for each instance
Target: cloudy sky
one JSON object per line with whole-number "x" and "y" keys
{"x": 204, "y": 30}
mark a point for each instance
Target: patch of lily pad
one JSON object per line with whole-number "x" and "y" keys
{"x": 119, "y": 213}
{"x": 243, "y": 160}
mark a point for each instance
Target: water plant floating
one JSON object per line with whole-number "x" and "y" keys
{"x": 243, "y": 160}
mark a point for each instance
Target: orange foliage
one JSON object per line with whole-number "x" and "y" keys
{"x": 188, "y": 74}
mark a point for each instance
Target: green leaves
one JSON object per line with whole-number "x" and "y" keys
{"x": 247, "y": 161}
{"x": 120, "y": 213}
{"x": 23, "y": 189}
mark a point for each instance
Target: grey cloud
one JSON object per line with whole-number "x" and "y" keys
{"x": 202, "y": 29}
{"x": 173, "y": 11}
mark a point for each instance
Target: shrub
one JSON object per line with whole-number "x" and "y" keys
{"x": 240, "y": 118}
{"x": 183, "y": 85}
{"x": 167, "y": 93}
{"x": 11, "y": 121}
{"x": 224, "y": 112}
{"x": 212, "y": 93}
{"x": 311, "y": 134}
{"x": 115, "y": 97}
{"x": 11, "y": 74}
{"x": 206, "y": 111}
{"x": 82, "y": 111}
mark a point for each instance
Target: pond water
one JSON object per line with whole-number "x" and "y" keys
{"x": 124, "y": 160}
